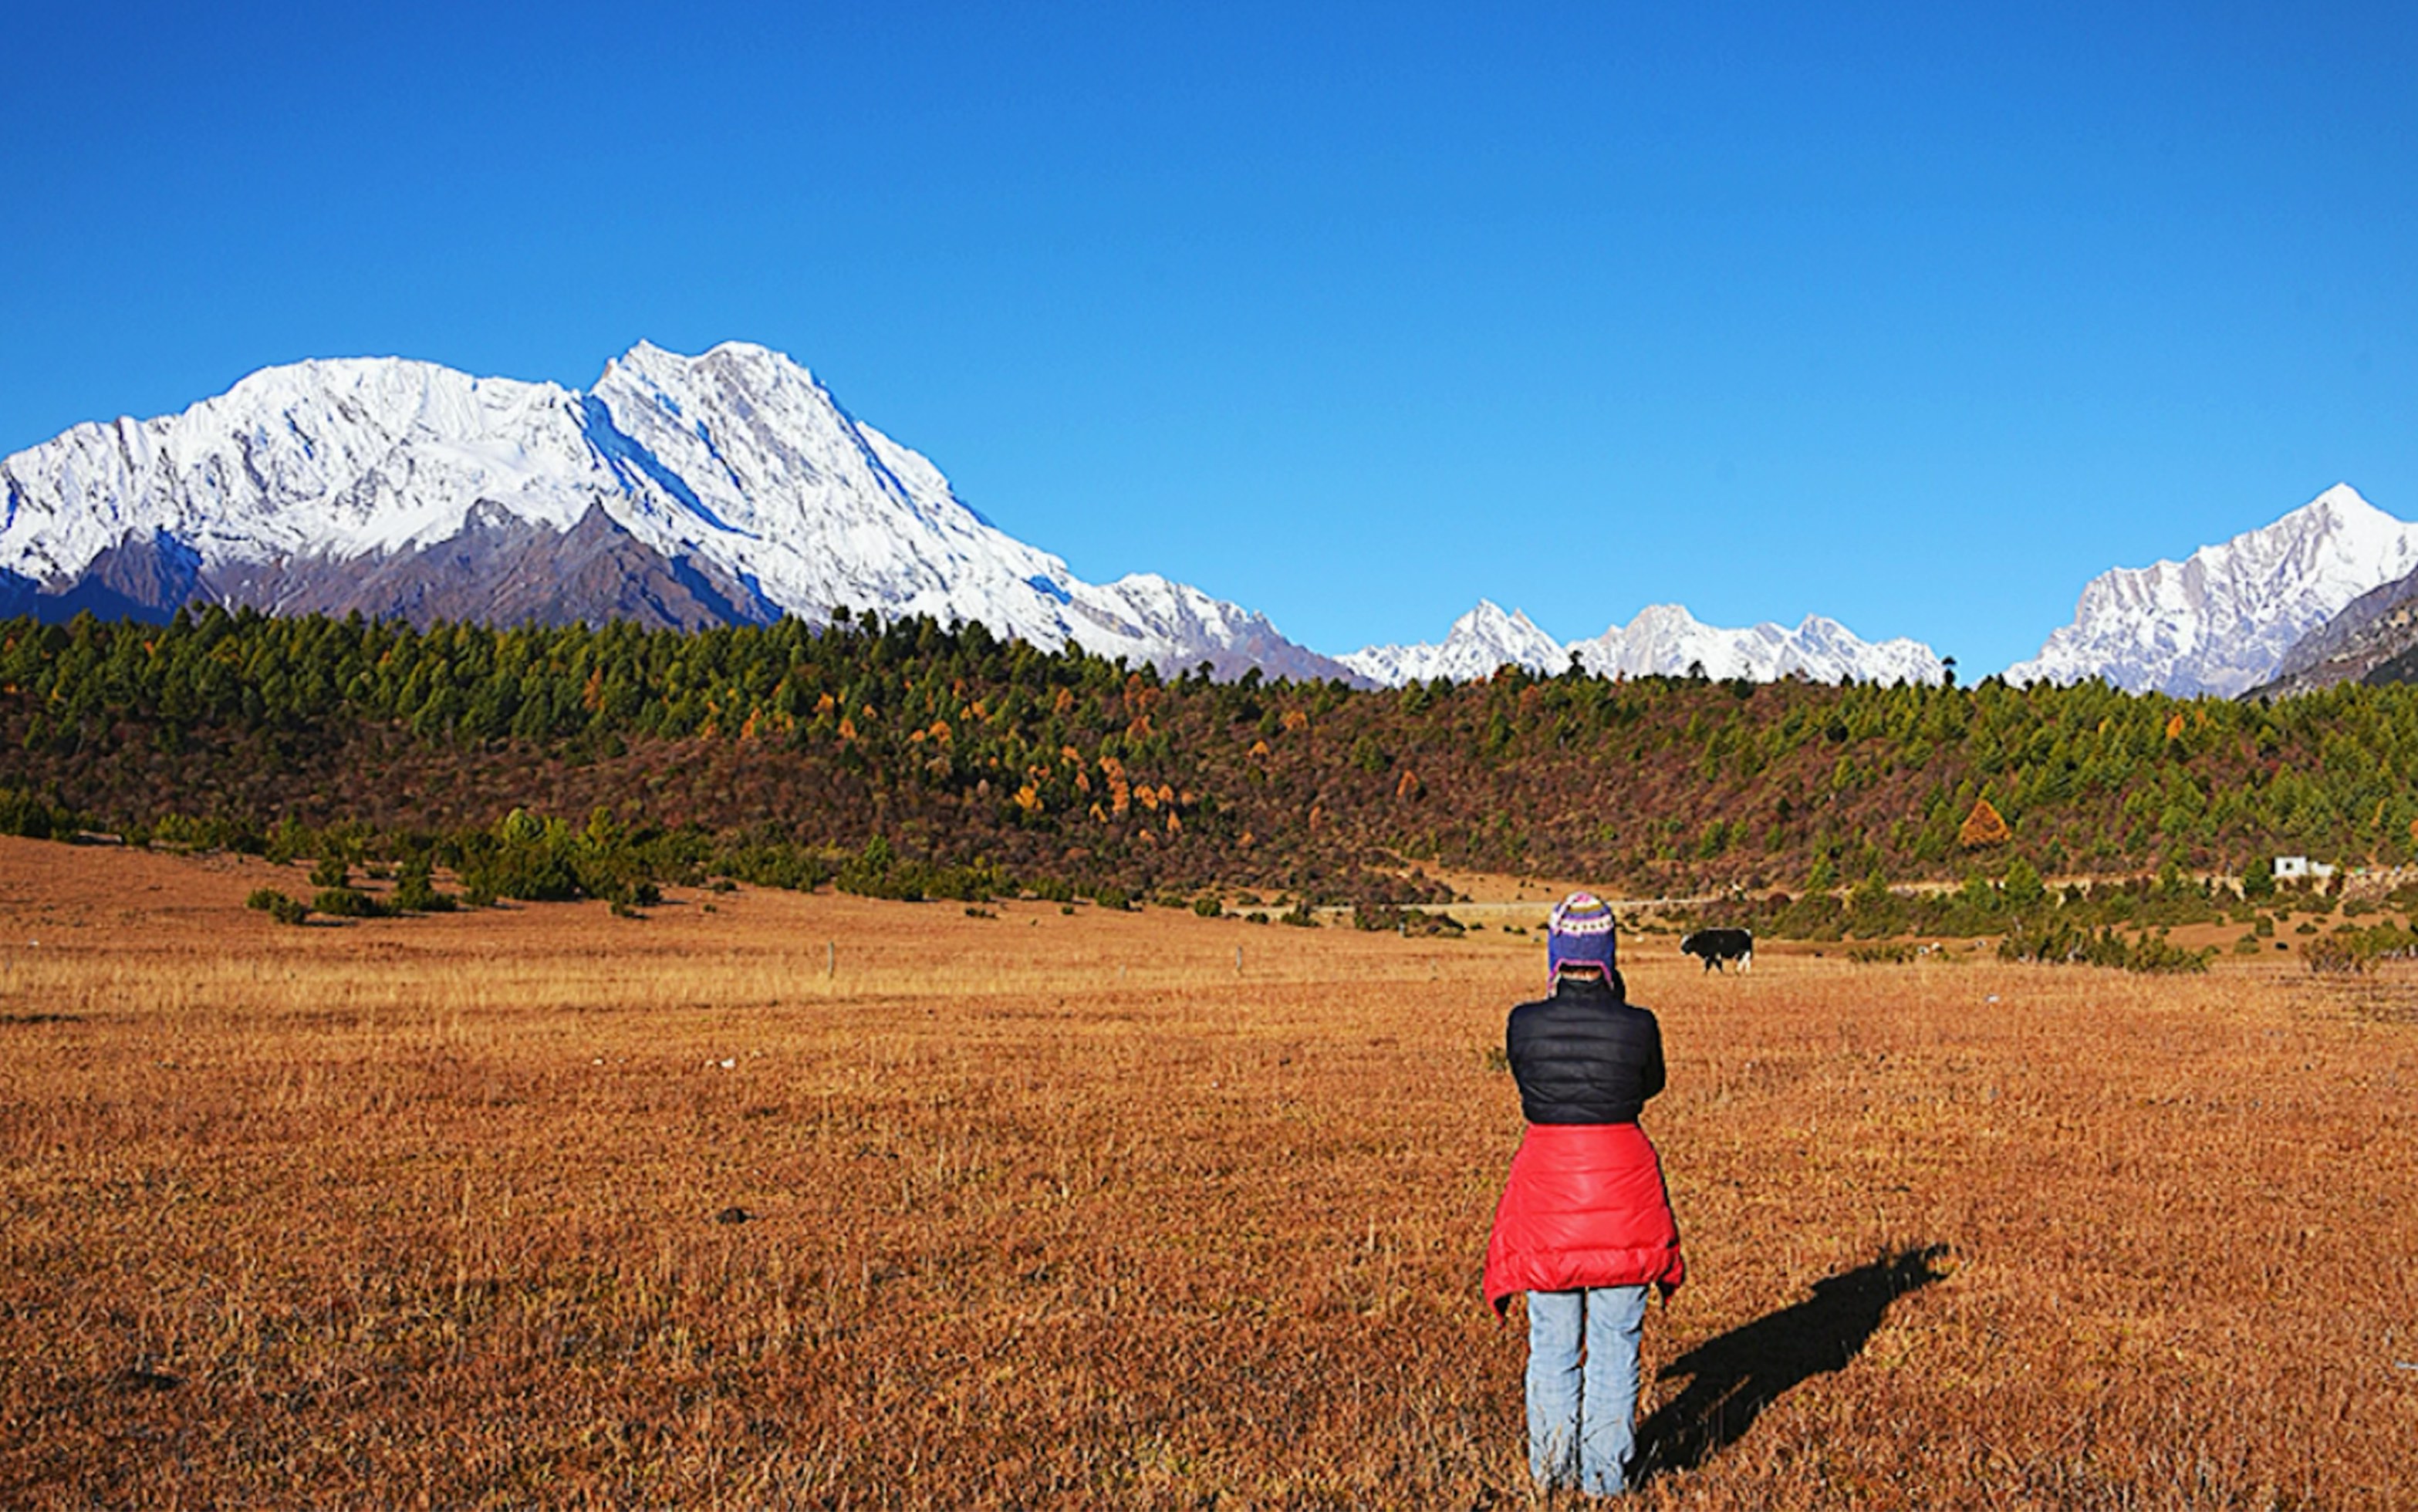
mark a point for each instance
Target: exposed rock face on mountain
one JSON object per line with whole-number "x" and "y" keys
{"x": 679, "y": 490}
{"x": 1663, "y": 640}
{"x": 2375, "y": 639}
{"x": 1481, "y": 640}
{"x": 2222, "y": 621}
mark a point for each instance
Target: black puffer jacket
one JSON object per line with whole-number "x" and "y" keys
{"x": 1584, "y": 1055}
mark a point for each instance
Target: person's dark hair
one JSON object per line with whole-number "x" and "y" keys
{"x": 1610, "y": 976}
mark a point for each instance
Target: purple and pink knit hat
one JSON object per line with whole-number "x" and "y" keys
{"x": 1579, "y": 932}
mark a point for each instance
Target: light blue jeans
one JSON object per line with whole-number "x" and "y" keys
{"x": 1583, "y": 1386}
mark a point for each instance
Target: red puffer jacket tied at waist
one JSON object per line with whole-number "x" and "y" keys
{"x": 1585, "y": 1207}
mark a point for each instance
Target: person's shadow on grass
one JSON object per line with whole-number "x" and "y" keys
{"x": 1736, "y": 1375}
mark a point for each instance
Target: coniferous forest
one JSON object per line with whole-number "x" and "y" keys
{"x": 914, "y": 758}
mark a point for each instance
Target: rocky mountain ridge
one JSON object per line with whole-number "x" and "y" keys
{"x": 1485, "y": 639}
{"x": 2222, "y": 621}
{"x": 2371, "y": 640}
{"x": 726, "y": 488}
{"x": 1663, "y": 639}
{"x": 731, "y": 487}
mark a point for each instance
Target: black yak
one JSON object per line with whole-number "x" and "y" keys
{"x": 1716, "y": 947}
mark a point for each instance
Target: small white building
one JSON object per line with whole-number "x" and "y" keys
{"x": 2289, "y": 867}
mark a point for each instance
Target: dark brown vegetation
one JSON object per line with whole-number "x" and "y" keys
{"x": 544, "y": 1206}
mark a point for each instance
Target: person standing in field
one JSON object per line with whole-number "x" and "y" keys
{"x": 1585, "y": 1226}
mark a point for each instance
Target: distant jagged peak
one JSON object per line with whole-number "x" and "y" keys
{"x": 2221, "y": 620}
{"x": 1657, "y": 619}
{"x": 1660, "y": 640}
{"x": 1491, "y": 616}
{"x": 1510, "y": 631}
{"x": 748, "y": 360}
{"x": 387, "y": 393}
{"x": 1666, "y": 640}
{"x": 2339, "y": 522}
{"x": 1486, "y": 637}
{"x": 730, "y": 378}
{"x": 2341, "y": 503}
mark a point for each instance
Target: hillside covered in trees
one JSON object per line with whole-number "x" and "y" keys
{"x": 955, "y": 747}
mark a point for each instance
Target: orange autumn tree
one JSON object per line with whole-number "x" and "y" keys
{"x": 1983, "y": 827}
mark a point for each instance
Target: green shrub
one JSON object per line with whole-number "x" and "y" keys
{"x": 877, "y": 872}
{"x": 531, "y": 871}
{"x": 2351, "y": 948}
{"x": 1208, "y": 908}
{"x": 2338, "y": 953}
{"x": 330, "y": 871}
{"x": 1894, "y": 952}
{"x": 285, "y": 910}
{"x": 346, "y": 902}
{"x": 792, "y": 868}
{"x": 2058, "y": 942}
{"x": 1419, "y": 921}
{"x": 23, "y": 814}
{"x": 176, "y": 831}
{"x": 417, "y": 894}
{"x": 2156, "y": 954}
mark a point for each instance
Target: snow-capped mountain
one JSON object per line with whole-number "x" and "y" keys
{"x": 1663, "y": 640}
{"x": 683, "y": 491}
{"x": 1481, "y": 640}
{"x": 2221, "y": 620}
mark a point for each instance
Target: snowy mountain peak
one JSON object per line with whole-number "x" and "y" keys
{"x": 1485, "y": 639}
{"x": 727, "y": 486}
{"x": 1663, "y": 639}
{"x": 649, "y": 361}
{"x": 2342, "y": 505}
{"x": 2220, "y": 620}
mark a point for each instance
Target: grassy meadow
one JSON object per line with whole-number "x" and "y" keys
{"x": 769, "y": 1200}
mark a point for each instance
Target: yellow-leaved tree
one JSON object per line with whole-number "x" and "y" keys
{"x": 1983, "y": 828}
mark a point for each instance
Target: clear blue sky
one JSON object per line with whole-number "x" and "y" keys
{"x": 1907, "y": 316}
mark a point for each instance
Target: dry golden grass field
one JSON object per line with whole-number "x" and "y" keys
{"x": 541, "y": 1206}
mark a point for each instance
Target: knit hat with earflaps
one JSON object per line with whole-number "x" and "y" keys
{"x": 1580, "y": 933}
